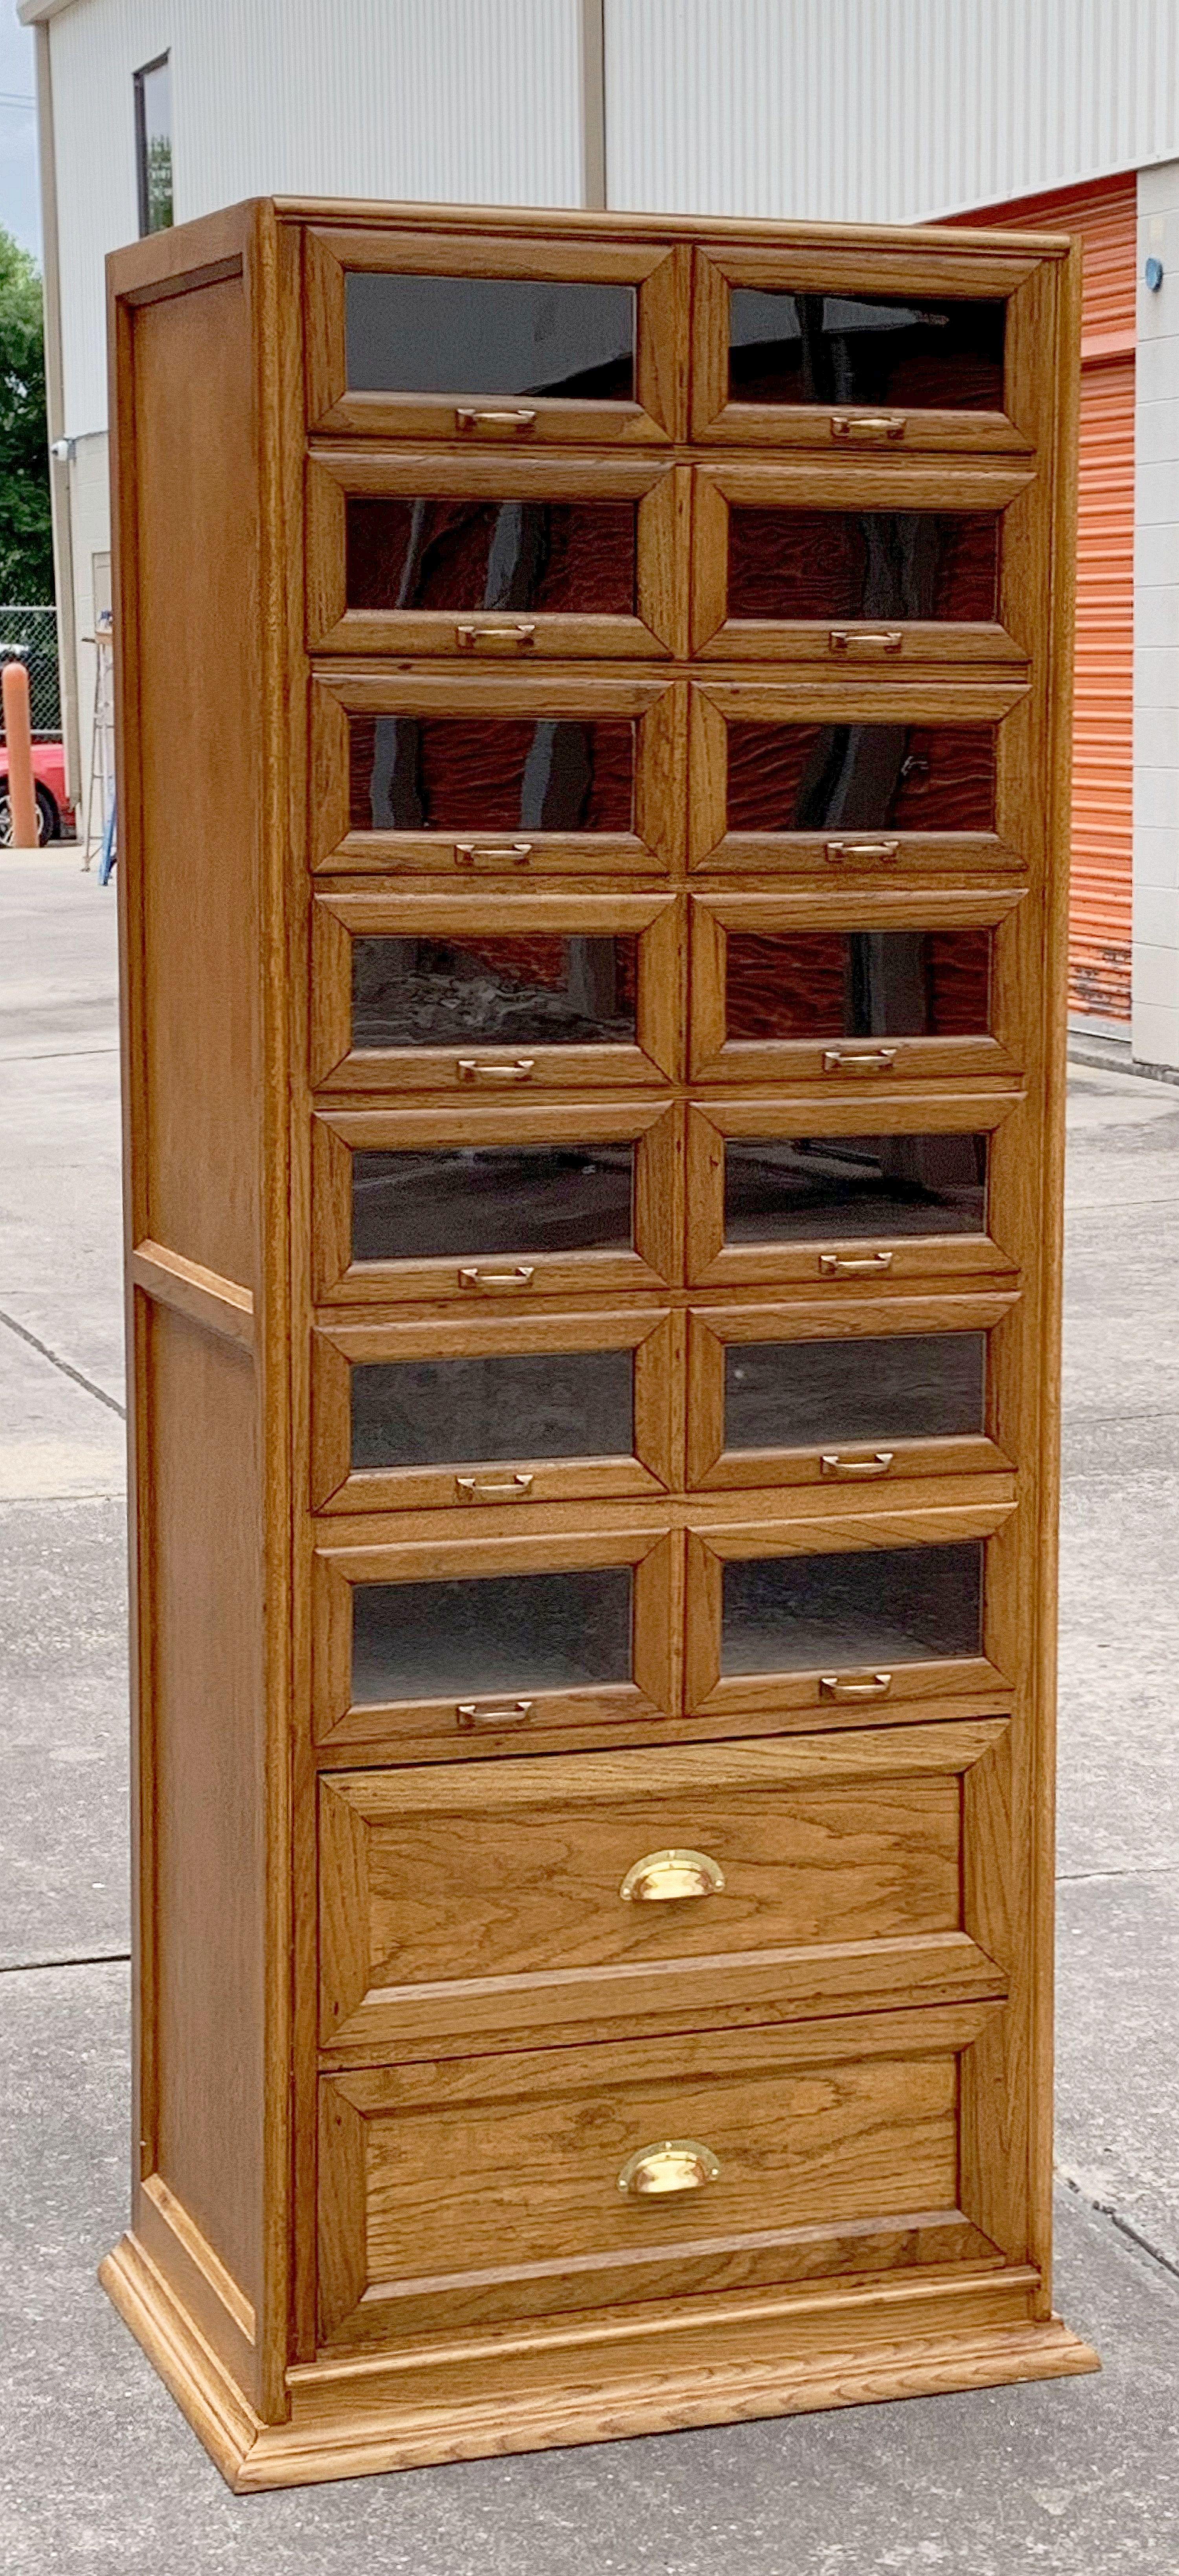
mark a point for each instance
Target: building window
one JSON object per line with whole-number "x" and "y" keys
{"x": 153, "y": 144}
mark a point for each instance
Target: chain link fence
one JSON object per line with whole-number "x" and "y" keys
{"x": 29, "y": 635}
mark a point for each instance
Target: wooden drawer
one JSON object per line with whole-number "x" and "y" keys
{"x": 593, "y": 1887}
{"x": 493, "y": 2187}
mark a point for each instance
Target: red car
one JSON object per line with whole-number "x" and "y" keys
{"x": 54, "y": 811}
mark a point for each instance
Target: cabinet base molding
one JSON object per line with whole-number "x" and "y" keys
{"x": 348, "y": 2421}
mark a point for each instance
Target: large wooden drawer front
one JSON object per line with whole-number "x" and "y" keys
{"x": 488, "y": 1899}
{"x": 490, "y": 2187}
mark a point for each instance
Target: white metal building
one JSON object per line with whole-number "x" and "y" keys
{"x": 860, "y": 110}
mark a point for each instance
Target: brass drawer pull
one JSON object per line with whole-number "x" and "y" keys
{"x": 831, "y": 1463}
{"x": 664, "y": 1877}
{"x": 851, "y": 639}
{"x": 514, "y": 639}
{"x": 492, "y": 854}
{"x": 861, "y": 853}
{"x": 674, "y": 2164}
{"x": 483, "y": 1489}
{"x": 872, "y": 1060}
{"x": 470, "y": 1069}
{"x": 867, "y": 424}
{"x": 471, "y": 1712}
{"x": 499, "y": 1282}
{"x": 875, "y": 1686}
{"x": 467, "y": 417}
{"x": 846, "y": 1265}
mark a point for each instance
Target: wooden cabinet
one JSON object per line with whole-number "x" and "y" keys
{"x": 594, "y": 707}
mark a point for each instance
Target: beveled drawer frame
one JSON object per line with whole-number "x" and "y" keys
{"x": 655, "y": 1339}
{"x": 659, "y": 272}
{"x": 655, "y": 706}
{"x": 659, "y": 624}
{"x": 830, "y": 1695}
{"x": 712, "y": 1262}
{"x": 653, "y": 920}
{"x": 1025, "y": 282}
{"x": 496, "y": 1719}
{"x": 714, "y": 1330}
{"x": 855, "y": 641}
{"x": 653, "y": 1262}
{"x": 714, "y": 1057}
{"x": 809, "y": 700}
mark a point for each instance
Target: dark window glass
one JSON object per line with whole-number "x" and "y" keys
{"x": 473, "y": 1199}
{"x": 538, "y": 990}
{"x": 907, "y": 351}
{"x": 574, "y": 557}
{"x": 898, "y": 564}
{"x": 861, "y": 778}
{"x": 477, "y": 1412}
{"x": 153, "y": 144}
{"x": 858, "y": 984}
{"x": 807, "y": 1189}
{"x": 898, "y": 1386}
{"x": 490, "y": 1633}
{"x": 894, "y": 1605}
{"x": 490, "y": 774}
{"x": 489, "y": 335}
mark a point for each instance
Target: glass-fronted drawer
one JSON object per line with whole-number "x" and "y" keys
{"x": 873, "y": 1393}
{"x": 848, "y": 1613}
{"x": 793, "y": 1189}
{"x": 483, "y": 1413}
{"x": 854, "y": 351}
{"x": 500, "y": 777}
{"x": 866, "y": 778}
{"x": 495, "y": 558}
{"x": 861, "y": 567}
{"x": 478, "y": 992}
{"x": 496, "y": 341}
{"x": 474, "y": 1646}
{"x": 480, "y": 1203}
{"x": 854, "y": 988}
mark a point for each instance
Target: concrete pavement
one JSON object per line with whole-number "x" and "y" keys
{"x": 97, "y": 2470}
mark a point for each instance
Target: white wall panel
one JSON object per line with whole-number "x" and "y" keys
{"x": 881, "y": 111}
{"x": 467, "y": 101}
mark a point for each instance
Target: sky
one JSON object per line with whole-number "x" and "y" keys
{"x": 20, "y": 212}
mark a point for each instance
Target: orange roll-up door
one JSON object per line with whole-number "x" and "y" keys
{"x": 1105, "y": 217}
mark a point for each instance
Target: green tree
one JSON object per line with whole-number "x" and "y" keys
{"x": 26, "y": 544}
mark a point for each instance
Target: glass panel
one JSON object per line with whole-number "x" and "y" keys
{"x": 474, "y": 1199}
{"x": 538, "y": 990}
{"x": 577, "y": 557}
{"x": 488, "y": 1633}
{"x": 477, "y": 1412}
{"x": 898, "y": 564}
{"x": 914, "y": 352}
{"x": 861, "y": 778}
{"x": 807, "y": 1189}
{"x": 895, "y": 1605}
{"x": 898, "y": 1386}
{"x": 489, "y": 335}
{"x": 858, "y": 984}
{"x": 490, "y": 774}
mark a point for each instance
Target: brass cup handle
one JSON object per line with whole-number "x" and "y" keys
{"x": 832, "y": 1464}
{"x": 517, "y": 638}
{"x": 497, "y": 1282}
{"x": 665, "y": 1877}
{"x": 869, "y": 1060}
{"x": 492, "y": 854}
{"x": 855, "y": 639}
{"x": 472, "y": 1712}
{"x": 873, "y": 1686}
{"x": 673, "y": 2164}
{"x": 861, "y": 853}
{"x": 470, "y": 1068}
{"x": 469, "y": 417}
{"x": 845, "y": 1265}
{"x": 868, "y": 424}
{"x": 487, "y": 1489}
